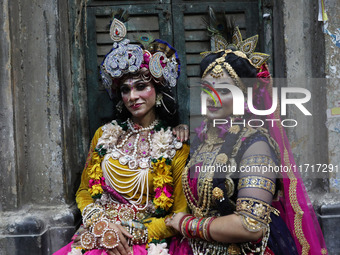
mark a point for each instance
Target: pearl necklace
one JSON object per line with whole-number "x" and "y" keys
{"x": 139, "y": 177}
{"x": 137, "y": 131}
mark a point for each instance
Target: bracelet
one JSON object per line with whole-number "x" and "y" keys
{"x": 193, "y": 227}
{"x": 184, "y": 224}
{"x": 181, "y": 221}
{"x": 187, "y": 227}
{"x": 200, "y": 228}
{"x": 91, "y": 214}
{"x": 208, "y": 229}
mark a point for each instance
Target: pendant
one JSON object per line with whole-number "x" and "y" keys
{"x": 123, "y": 160}
{"x": 115, "y": 154}
{"x": 143, "y": 164}
{"x": 133, "y": 164}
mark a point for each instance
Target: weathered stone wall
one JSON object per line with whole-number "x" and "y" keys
{"x": 309, "y": 58}
{"x": 43, "y": 142}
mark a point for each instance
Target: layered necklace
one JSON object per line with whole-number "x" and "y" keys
{"x": 141, "y": 150}
{"x": 133, "y": 151}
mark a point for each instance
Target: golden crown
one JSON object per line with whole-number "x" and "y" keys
{"x": 247, "y": 47}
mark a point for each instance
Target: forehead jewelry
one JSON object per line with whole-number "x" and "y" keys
{"x": 216, "y": 69}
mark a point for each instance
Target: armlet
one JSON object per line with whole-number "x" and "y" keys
{"x": 257, "y": 182}
{"x": 255, "y": 213}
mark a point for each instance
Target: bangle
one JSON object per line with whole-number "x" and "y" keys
{"x": 193, "y": 228}
{"x": 181, "y": 221}
{"x": 184, "y": 224}
{"x": 188, "y": 223}
{"x": 200, "y": 228}
{"x": 208, "y": 229}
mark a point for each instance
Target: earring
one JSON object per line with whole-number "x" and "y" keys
{"x": 159, "y": 99}
{"x": 119, "y": 106}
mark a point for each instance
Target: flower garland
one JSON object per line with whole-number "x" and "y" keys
{"x": 163, "y": 150}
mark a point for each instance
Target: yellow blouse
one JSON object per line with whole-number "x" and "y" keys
{"x": 156, "y": 227}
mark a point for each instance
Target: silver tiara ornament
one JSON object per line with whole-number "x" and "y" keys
{"x": 129, "y": 58}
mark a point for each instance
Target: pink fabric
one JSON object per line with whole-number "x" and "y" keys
{"x": 179, "y": 246}
{"x": 310, "y": 226}
{"x": 137, "y": 250}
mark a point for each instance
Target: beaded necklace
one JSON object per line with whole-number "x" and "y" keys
{"x": 160, "y": 148}
{"x": 201, "y": 207}
{"x": 139, "y": 177}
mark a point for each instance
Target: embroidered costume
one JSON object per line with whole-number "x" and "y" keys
{"x": 132, "y": 175}
{"x": 226, "y": 175}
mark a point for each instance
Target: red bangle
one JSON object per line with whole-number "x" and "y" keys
{"x": 187, "y": 227}
{"x": 182, "y": 219}
{"x": 208, "y": 228}
{"x": 199, "y": 229}
{"x": 184, "y": 224}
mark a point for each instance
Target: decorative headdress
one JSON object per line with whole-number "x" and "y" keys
{"x": 225, "y": 38}
{"x": 159, "y": 57}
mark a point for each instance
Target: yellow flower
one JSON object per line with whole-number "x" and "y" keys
{"x": 95, "y": 157}
{"x": 163, "y": 202}
{"x": 96, "y": 172}
{"x": 161, "y": 168}
{"x": 161, "y": 180}
{"x": 95, "y": 190}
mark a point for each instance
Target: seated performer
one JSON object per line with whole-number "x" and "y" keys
{"x": 237, "y": 205}
{"x": 132, "y": 176}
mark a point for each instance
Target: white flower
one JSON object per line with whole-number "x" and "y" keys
{"x": 157, "y": 249}
{"x": 75, "y": 251}
{"x": 111, "y": 133}
{"x": 161, "y": 142}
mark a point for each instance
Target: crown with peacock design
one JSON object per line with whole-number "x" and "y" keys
{"x": 159, "y": 57}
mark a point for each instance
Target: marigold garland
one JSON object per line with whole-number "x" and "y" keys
{"x": 162, "y": 181}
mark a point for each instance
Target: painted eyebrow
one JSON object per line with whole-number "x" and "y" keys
{"x": 137, "y": 81}
{"x": 204, "y": 82}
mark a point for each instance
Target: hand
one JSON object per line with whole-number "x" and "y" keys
{"x": 123, "y": 247}
{"x": 182, "y": 132}
{"x": 174, "y": 220}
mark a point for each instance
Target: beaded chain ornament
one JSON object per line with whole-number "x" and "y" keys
{"x": 153, "y": 153}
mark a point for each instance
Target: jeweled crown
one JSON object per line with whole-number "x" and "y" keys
{"x": 159, "y": 57}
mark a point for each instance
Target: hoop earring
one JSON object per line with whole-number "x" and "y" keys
{"x": 119, "y": 106}
{"x": 159, "y": 100}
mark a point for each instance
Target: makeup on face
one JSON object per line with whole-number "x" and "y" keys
{"x": 220, "y": 102}
{"x": 138, "y": 96}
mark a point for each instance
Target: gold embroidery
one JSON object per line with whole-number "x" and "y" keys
{"x": 221, "y": 158}
{"x": 257, "y": 160}
{"x": 230, "y": 186}
{"x": 324, "y": 251}
{"x": 257, "y": 182}
{"x": 255, "y": 209}
{"x": 293, "y": 196}
{"x": 234, "y": 129}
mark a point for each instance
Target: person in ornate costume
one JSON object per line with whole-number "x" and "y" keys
{"x": 132, "y": 176}
{"x": 237, "y": 205}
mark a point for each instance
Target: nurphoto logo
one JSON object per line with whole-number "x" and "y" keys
{"x": 239, "y": 99}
